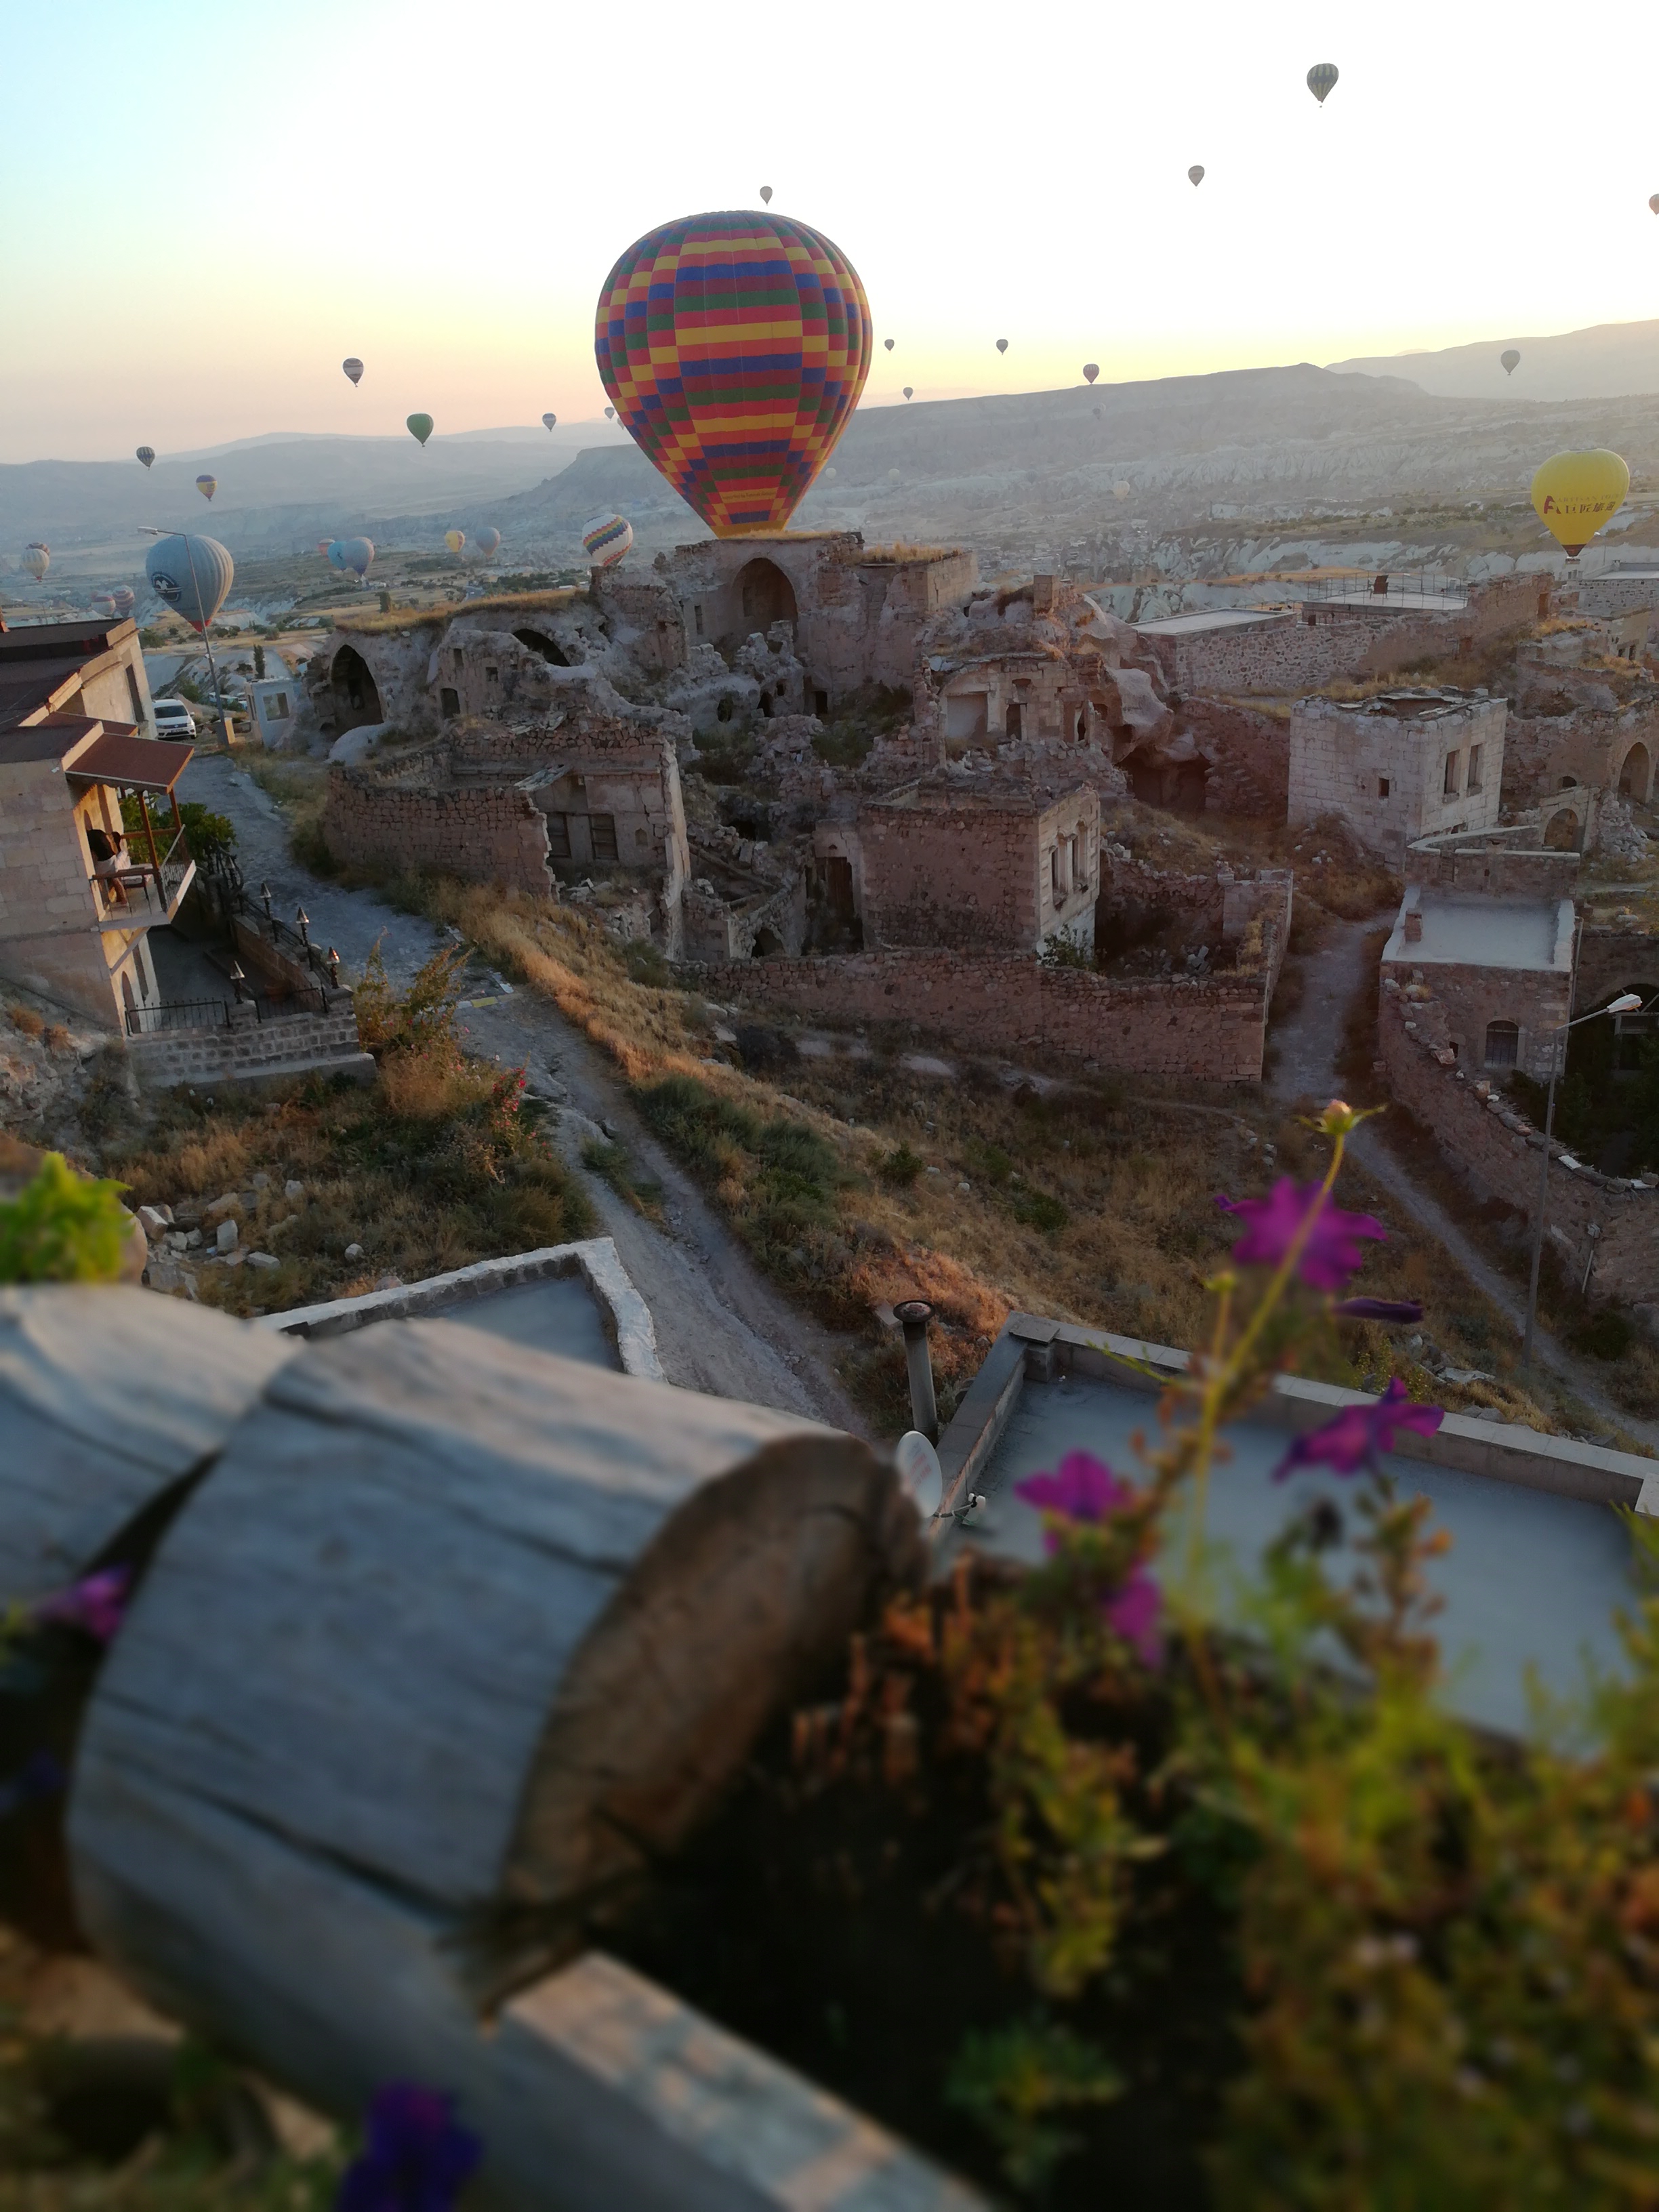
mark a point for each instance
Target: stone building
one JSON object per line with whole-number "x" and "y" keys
{"x": 1487, "y": 980}
{"x": 1582, "y": 714}
{"x": 1399, "y": 766}
{"x": 79, "y": 667}
{"x": 954, "y": 861}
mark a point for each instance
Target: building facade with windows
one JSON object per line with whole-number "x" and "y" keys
{"x": 1400, "y": 765}
{"x": 1487, "y": 983}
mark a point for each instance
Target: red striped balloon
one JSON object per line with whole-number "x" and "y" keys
{"x": 734, "y": 347}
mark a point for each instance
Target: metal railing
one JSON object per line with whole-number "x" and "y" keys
{"x": 1385, "y": 584}
{"x": 221, "y": 1013}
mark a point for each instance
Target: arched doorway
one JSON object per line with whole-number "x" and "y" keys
{"x": 356, "y": 697}
{"x": 1561, "y": 832}
{"x": 553, "y": 654}
{"x": 1636, "y": 774}
{"x": 767, "y": 944}
{"x": 763, "y": 595}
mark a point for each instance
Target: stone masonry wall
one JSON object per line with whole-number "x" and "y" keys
{"x": 247, "y": 1046}
{"x": 1211, "y": 1032}
{"x": 1543, "y": 751}
{"x": 1339, "y": 757}
{"x": 1498, "y": 1150}
{"x": 1249, "y": 758}
{"x": 973, "y": 876}
{"x": 485, "y": 832}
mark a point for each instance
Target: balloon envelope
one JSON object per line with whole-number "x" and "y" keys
{"x": 37, "y": 559}
{"x": 910, "y": 392}
{"x": 1195, "y": 175}
{"x": 207, "y": 486}
{"x": 336, "y": 551}
{"x": 420, "y": 427}
{"x": 124, "y": 597}
{"x": 354, "y": 369}
{"x": 735, "y": 347}
{"x": 610, "y": 414}
{"x": 1654, "y": 204}
{"x": 356, "y": 554}
{"x": 192, "y": 574}
{"x": 488, "y": 541}
{"x": 147, "y": 454}
{"x": 887, "y": 343}
{"x": 1511, "y": 361}
{"x": 1119, "y": 491}
{"x": 1002, "y": 345}
{"x": 1575, "y": 493}
{"x": 1091, "y": 370}
{"x": 1321, "y": 77}
{"x": 766, "y": 194}
{"x": 548, "y": 421}
{"x": 606, "y": 538}
{"x": 454, "y": 539}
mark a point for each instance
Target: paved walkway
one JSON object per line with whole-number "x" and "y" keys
{"x": 1307, "y": 1045}
{"x": 721, "y": 1327}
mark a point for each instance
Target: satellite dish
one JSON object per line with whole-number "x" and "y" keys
{"x": 920, "y": 1476}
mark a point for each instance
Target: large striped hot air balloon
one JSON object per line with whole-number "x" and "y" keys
{"x": 192, "y": 574}
{"x": 1322, "y": 79}
{"x": 735, "y": 347}
{"x": 606, "y": 538}
{"x": 354, "y": 368}
{"x": 37, "y": 559}
{"x": 125, "y": 598}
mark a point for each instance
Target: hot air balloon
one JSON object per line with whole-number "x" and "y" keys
{"x": 610, "y": 414}
{"x": 738, "y": 433}
{"x": 124, "y": 597}
{"x": 37, "y": 559}
{"x": 887, "y": 343}
{"x": 147, "y": 454}
{"x": 419, "y": 427}
{"x": 192, "y": 574}
{"x": 766, "y": 194}
{"x": 454, "y": 539}
{"x": 103, "y": 602}
{"x": 606, "y": 538}
{"x": 354, "y": 369}
{"x": 1321, "y": 77}
{"x": 1575, "y": 493}
{"x": 1120, "y": 490}
{"x": 1002, "y": 345}
{"x": 829, "y": 474}
{"x": 207, "y": 486}
{"x": 1511, "y": 361}
{"x": 548, "y": 421}
{"x": 1091, "y": 370}
{"x": 356, "y": 554}
{"x": 1195, "y": 175}
{"x": 910, "y": 392}
{"x": 1653, "y": 202}
{"x": 488, "y": 543}
{"x": 336, "y": 551}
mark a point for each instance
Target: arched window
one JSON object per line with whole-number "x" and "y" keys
{"x": 1503, "y": 1044}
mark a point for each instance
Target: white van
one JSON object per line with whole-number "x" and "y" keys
{"x": 174, "y": 720}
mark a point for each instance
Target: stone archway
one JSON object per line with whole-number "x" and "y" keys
{"x": 1561, "y": 831}
{"x": 538, "y": 642}
{"x": 1636, "y": 774}
{"x": 355, "y": 695}
{"x": 761, "y": 595}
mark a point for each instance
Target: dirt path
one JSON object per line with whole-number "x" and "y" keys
{"x": 721, "y": 1327}
{"x": 1308, "y": 1044}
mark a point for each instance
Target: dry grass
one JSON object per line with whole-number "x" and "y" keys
{"x": 25, "y": 1019}
{"x": 371, "y": 620}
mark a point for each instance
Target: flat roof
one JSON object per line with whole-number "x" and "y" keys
{"x": 79, "y": 639}
{"x": 1431, "y": 603}
{"x": 1485, "y": 932}
{"x": 1531, "y": 1579}
{"x": 1402, "y": 706}
{"x": 1213, "y": 618}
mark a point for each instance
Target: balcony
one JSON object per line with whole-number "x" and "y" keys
{"x": 141, "y": 894}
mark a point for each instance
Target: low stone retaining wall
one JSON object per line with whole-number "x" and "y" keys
{"x": 248, "y": 1048}
{"x": 489, "y": 832}
{"x": 1498, "y": 1150}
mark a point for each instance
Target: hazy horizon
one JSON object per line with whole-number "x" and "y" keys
{"x": 308, "y": 184}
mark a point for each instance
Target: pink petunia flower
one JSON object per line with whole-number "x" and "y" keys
{"x": 1083, "y": 1488}
{"x": 1360, "y": 1433}
{"x": 1136, "y": 1613}
{"x": 96, "y": 1604}
{"x": 1331, "y": 1253}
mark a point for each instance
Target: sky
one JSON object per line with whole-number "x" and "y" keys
{"x": 206, "y": 205}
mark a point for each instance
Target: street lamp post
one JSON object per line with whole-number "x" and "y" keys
{"x": 1629, "y": 1002}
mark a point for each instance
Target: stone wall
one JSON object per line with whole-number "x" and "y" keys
{"x": 487, "y": 833}
{"x": 978, "y": 873}
{"x": 1612, "y": 960}
{"x": 1248, "y": 757}
{"x": 1586, "y": 746}
{"x": 1212, "y": 1031}
{"x": 1450, "y": 1009}
{"x": 1498, "y": 1150}
{"x": 50, "y": 939}
{"x": 249, "y": 1047}
{"x": 1495, "y": 870}
{"x": 1386, "y": 773}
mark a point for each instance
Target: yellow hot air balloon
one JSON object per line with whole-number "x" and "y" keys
{"x": 1575, "y": 493}
{"x": 454, "y": 539}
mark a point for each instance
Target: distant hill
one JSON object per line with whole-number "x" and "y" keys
{"x": 1611, "y": 361}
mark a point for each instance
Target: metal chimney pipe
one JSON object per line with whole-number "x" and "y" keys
{"x": 913, "y": 1316}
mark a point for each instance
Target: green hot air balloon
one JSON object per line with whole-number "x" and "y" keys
{"x": 420, "y": 427}
{"x": 147, "y": 454}
{"x": 207, "y": 486}
{"x": 1511, "y": 360}
{"x": 1321, "y": 79}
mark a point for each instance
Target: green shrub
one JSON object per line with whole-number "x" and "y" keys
{"x": 900, "y": 1168}
{"x": 1604, "y": 1335}
{"x": 62, "y": 1228}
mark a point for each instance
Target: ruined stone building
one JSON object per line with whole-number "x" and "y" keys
{"x": 1399, "y": 766}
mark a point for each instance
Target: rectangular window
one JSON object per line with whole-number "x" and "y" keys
{"x": 1474, "y": 767}
{"x": 558, "y": 837}
{"x": 1381, "y": 787}
{"x": 132, "y": 694}
{"x": 1451, "y": 786}
{"x": 276, "y": 706}
{"x": 697, "y": 611}
{"x": 492, "y": 675}
{"x": 602, "y": 828}
{"x": 449, "y": 700}
{"x": 457, "y": 659}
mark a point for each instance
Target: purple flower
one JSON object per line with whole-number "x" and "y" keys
{"x": 1384, "y": 1309}
{"x": 1082, "y": 1489}
{"x": 95, "y": 1604}
{"x": 1085, "y": 1489}
{"x": 416, "y": 2156}
{"x": 1331, "y": 1253}
{"x": 1357, "y": 1436}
